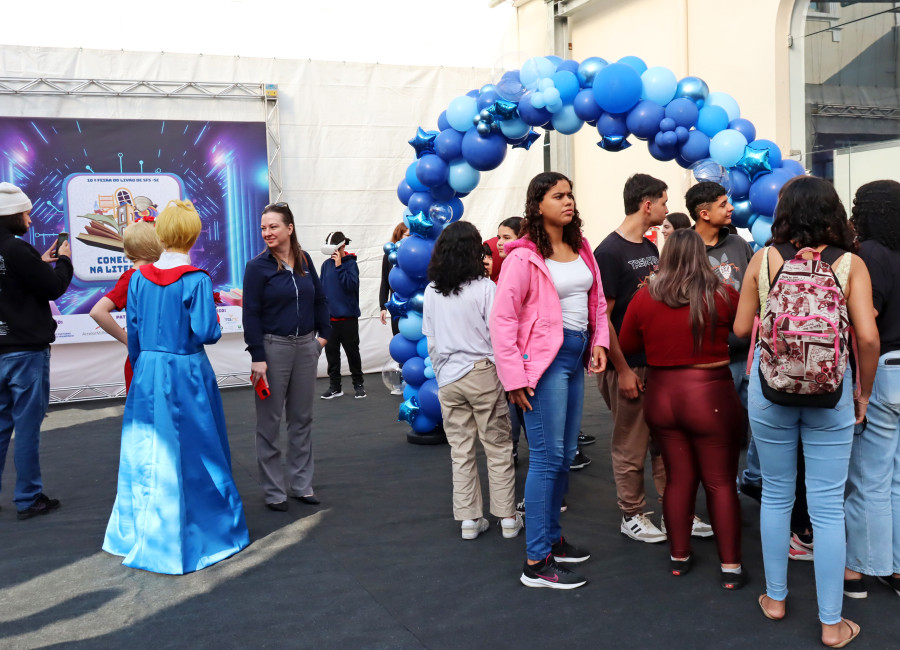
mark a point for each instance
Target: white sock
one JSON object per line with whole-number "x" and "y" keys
{"x": 737, "y": 570}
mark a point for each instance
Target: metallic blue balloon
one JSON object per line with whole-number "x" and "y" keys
{"x": 390, "y": 247}
{"x": 613, "y": 143}
{"x": 392, "y": 257}
{"x": 483, "y": 128}
{"x": 527, "y": 141}
{"x": 588, "y": 69}
{"x": 409, "y": 411}
{"x": 743, "y": 210}
{"x": 416, "y": 302}
{"x": 396, "y": 304}
{"x": 693, "y": 88}
{"x": 503, "y": 110}
{"x": 754, "y": 163}
{"x": 420, "y": 224}
{"x": 423, "y": 142}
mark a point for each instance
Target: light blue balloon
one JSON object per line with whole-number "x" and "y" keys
{"x": 727, "y": 147}
{"x": 422, "y": 347}
{"x": 566, "y": 121}
{"x": 659, "y": 85}
{"x": 725, "y": 101}
{"x": 410, "y": 326}
{"x": 712, "y": 119}
{"x": 463, "y": 177}
{"x": 635, "y": 62}
{"x": 537, "y": 100}
{"x": 429, "y": 371}
{"x": 514, "y": 128}
{"x": 551, "y": 96}
{"x": 761, "y": 230}
{"x": 545, "y": 83}
{"x": 460, "y": 113}
{"x": 535, "y": 69}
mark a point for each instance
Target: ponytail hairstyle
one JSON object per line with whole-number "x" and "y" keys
{"x": 287, "y": 218}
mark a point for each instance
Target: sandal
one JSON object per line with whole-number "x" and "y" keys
{"x": 765, "y": 611}
{"x": 853, "y": 635}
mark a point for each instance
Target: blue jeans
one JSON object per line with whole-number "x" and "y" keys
{"x": 873, "y": 503}
{"x": 24, "y": 397}
{"x": 553, "y": 425}
{"x": 741, "y": 384}
{"x": 827, "y": 435}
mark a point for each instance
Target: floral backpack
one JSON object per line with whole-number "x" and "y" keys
{"x": 803, "y": 328}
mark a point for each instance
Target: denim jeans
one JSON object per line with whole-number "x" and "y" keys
{"x": 741, "y": 384}
{"x": 24, "y": 397}
{"x": 553, "y": 425}
{"x": 873, "y": 502}
{"x": 827, "y": 435}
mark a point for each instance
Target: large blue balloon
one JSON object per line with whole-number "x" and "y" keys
{"x": 764, "y": 191}
{"x": 423, "y": 424}
{"x": 774, "y": 151}
{"x": 664, "y": 153}
{"x": 745, "y": 127}
{"x": 696, "y": 148}
{"x": 531, "y": 115}
{"x": 740, "y": 184}
{"x": 404, "y": 191}
{"x": 401, "y": 348}
{"x": 726, "y": 101}
{"x": 402, "y": 283}
{"x": 456, "y": 205}
{"x": 569, "y": 65}
{"x": 761, "y": 230}
{"x": 610, "y": 125}
{"x": 420, "y": 202}
{"x": 428, "y": 399}
{"x": 793, "y": 166}
{"x": 588, "y": 69}
{"x": 726, "y": 147}
{"x": 463, "y": 177}
{"x": 422, "y": 347}
{"x": 410, "y": 391}
{"x": 410, "y": 326}
{"x": 442, "y": 193}
{"x": 635, "y": 63}
{"x": 413, "y": 180}
{"x": 461, "y": 111}
{"x": 740, "y": 218}
{"x": 586, "y": 107}
{"x": 486, "y": 98}
{"x": 513, "y": 128}
{"x": 617, "y": 88}
{"x": 643, "y": 120}
{"x": 712, "y": 119}
{"x": 442, "y": 122}
{"x": 566, "y": 121}
{"x": 567, "y": 85}
{"x": 432, "y": 170}
{"x": 414, "y": 255}
{"x": 448, "y": 144}
{"x": 683, "y": 111}
{"x": 483, "y": 152}
{"x": 659, "y": 85}
{"x": 414, "y": 371}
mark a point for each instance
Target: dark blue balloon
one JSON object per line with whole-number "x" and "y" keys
{"x": 423, "y": 424}
{"x": 442, "y": 122}
{"x": 416, "y": 302}
{"x": 686, "y": 164}
{"x": 793, "y": 166}
{"x": 764, "y": 191}
{"x": 474, "y": 93}
{"x": 696, "y": 148}
{"x": 586, "y": 107}
{"x": 643, "y": 120}
{"x": 448, "y": 144}
{"x": 483, "y": 152}
{"x": 740, "y": 218}
{"x": 740, "y": 184}
{"x": 664, "y": 153}
{"x": 443, "y": 192}
{"x": 568, "y": 65}
{"x": 432, "y": 171}
{"x": 428, "y": 399}
{"x": 667, "y": 124}
{"x": 414, "y": 255}
{"x": 412, "y": 179}
{"x": 683, "y": 111}
{"x": 420, "y": 201}
{"x": 456, "y": 205}
{"x": 681, "y": 134}
{"x": 401, "y": 348}
{"x": 414, "y": 371}
{"x": 404, "y": 191}
{"x": 744, "y": 127}
{"x": 617, "y": 88}
{"x": 487, "y": 98}
{"x": 610, "y": 125}
{"x": 402, "y": 283}
{"x": 531, "y": 115}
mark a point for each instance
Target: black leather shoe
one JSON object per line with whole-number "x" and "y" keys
{"x": 41, "y": 506}
{"x": 281, "y": 506}
{"x": 310, "y": 500}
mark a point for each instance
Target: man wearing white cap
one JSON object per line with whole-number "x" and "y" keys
{"x": 28, "y": 282}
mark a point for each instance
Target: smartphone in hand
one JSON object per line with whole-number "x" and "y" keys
{"x": 61, "y": 239}
{"x": 262, "y": 388}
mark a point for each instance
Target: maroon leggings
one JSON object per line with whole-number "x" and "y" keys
{"x": 696, "y": 416}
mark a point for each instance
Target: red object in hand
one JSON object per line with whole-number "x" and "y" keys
{"x": 262, "y": 388}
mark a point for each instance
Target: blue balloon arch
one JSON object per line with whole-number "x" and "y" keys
{"x": 680, "y": 120}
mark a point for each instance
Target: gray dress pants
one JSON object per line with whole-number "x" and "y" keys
{"x": 291, "y": 370}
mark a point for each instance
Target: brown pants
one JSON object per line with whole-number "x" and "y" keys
{"x": 476, "y": 405}
{"x": 630, "y": 443}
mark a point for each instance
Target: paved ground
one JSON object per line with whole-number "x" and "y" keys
{"x": 378, "y": 565}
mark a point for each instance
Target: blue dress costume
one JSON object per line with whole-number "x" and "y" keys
{"x": 177, "y": 509}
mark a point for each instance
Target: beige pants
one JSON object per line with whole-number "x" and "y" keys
{"x": 476, "y": 404}
{"x": 630, "y": 443}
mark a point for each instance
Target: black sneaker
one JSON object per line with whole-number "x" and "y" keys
{"x": 752, "y": 490}
{"x": 333, "y": 392}
{"x": 855, "y": 588}
{"x": 565, "y": 553}
{"x": 580, "y": 461}
{"x": 42, "y": 505}
{"x": 892, "y": 582}
{"x": 520, "y": 506}
{"x": 733, "y": 581}
{"x": 551, "y": 575}
{"x": 584, "y": 439}
{"x": 358, "y": 392}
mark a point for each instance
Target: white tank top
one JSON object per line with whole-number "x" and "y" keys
{"x": 573, "y": 280}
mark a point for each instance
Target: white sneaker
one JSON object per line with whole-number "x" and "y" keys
{"x": 513, "y": 526}
{"x": 639, "y": 527}
{"x": 472, "y": 529}
{"x": 698, "y": 529}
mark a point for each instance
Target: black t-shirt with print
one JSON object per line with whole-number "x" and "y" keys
{"x": 625, "y": 268}
{"x": 884, "y": 267}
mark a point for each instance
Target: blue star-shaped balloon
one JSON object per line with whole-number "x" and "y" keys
{"x": 423, "y": 142}
{"x": 503, "y": 110}
{"x": 397, "y": 306}
{"x": 754, "y": 163}
{"x": 420, "y": 224}
{"x": 614, "y": 143}
{"x": 528, "y": 141}
{"x": 409, "y": 410}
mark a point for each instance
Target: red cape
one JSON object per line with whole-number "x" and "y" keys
{"x": 165, "y": 277}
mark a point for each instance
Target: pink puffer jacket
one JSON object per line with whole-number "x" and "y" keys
{"x": 526, "y": 321}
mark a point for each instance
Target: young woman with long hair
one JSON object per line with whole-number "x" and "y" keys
{"x": 809, "y": 214}
{"x": 286, "y": 326}
{"x": 682, "y": 320}
{"x": 457, "y": 306}
{"x": 548, "y": 324}
{"x": 384, "y": 291}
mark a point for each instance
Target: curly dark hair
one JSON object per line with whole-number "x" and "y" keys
{"x": 809, "y": 213}
{"x": 458, "y": 258}
{"x": 533, "y": 222}
{"x": 876, "y": 213}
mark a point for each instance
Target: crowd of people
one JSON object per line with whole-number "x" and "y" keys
{"x": 793, "y": 351}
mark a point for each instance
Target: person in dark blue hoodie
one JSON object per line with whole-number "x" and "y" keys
{"x": 340, "y": 278}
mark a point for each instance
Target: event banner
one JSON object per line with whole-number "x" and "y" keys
{"x": 93, "y": 178}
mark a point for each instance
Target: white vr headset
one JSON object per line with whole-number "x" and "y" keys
{"x": 329, "y": 249}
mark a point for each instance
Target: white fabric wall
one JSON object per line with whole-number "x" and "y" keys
{"x": 344, "y": 132}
